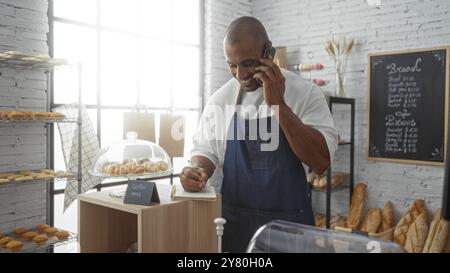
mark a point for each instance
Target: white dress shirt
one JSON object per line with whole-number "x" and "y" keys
{"x": 305, "y": 99}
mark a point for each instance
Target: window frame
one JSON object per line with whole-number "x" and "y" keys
{"x": 98, "y": 106}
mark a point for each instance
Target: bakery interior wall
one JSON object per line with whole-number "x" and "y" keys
{"x": 304, "y": 26}
{"x": 301, "y": 25}
{"x": 23, "y": 27}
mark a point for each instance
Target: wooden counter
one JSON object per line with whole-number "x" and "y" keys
{"x": 106, "y": 224}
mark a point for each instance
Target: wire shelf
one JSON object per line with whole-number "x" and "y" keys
{"x": 38, "y": 180}
{"x": 18, "y": 59}
{"x": 31, "y": 247}
{"x": 38, "y": 121}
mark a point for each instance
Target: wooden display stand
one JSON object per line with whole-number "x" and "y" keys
{"x": 106, "y": 224}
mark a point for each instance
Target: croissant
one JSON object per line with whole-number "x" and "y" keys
{"x": 162, "y": 166}
{"x": 139, "y": 169}
{"x": 123, "y": 170}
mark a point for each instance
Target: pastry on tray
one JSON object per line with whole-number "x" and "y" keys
{"x": 14, "y": 176}
{"x": 43, "y": 176}
{"x": 5, "y": 240}
{"x": 62, "y": 235}
{"x": 29, "y": 235}
{"x": 42, "y": 227}
{"x": 23, "y": 178}
{"x": 15, "y": 115}
{"x": 40, "y": 239}
{"x": 20, "y": 230}
{"x": 4, "y": 180}
{"x": 15, "y": 245}
{"x": 47, "y": 171}
{"x": 51, "y": 231}
{"x": 57, "y": 116}
{"x": 6, "y": 175}
{"x": 39, "y": 115}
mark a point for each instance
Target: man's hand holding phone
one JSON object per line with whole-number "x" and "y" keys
{"x": 273, "y": 82}
{"x": 193, "y": 179}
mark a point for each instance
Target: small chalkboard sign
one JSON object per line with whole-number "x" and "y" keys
{"x": 408, "y": 106}
{"x": 141, "y": 192}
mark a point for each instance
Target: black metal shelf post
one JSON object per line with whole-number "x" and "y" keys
{"x": 351, "y": 102}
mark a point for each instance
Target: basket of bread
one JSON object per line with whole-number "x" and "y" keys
{"x": 132, "y": 158}
{"x": 415, "y": 232}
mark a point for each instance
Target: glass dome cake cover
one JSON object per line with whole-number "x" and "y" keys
{"x": 132, "y": 158}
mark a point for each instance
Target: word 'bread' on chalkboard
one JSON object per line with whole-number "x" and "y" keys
{"x": 408, "y": 102}
{"x": 142, "y": 193}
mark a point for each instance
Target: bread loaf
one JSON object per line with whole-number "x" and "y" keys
{"x": 387, "y": 217}
{"x": 401, "y": 229}
{"x": 433, "y": 227}
{"x": 357, "y": 206}
{"x": 417, "y": 234}
{"x": 372, "y": 220}
{"x": 447, "y": 245}
{"x": 437, "y": 236}
{"x": 338, "y": 221}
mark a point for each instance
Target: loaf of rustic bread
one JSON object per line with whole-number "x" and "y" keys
{"x": 387, "y": 217}
{"x": 437, "y": 235}
{"x": 401, "y": 229}
{"x": 357, "y": 206}
{"x": 372, "y": 220}
{"x": 417, "y": 234}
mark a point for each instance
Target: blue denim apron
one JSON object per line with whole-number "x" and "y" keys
{"x": 260, "y": 186}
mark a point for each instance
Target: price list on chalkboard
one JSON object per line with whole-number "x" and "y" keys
{"x": 407, "y": 106}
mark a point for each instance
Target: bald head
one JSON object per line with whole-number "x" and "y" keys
{"x": 245, "y": 28}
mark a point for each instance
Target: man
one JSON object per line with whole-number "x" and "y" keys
{"x": 260, "y": 185}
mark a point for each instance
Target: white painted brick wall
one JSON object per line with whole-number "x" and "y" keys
{"x": 304, "y": 26}
{"x": 218, "y": 15}
{"x": 23, "y": 27}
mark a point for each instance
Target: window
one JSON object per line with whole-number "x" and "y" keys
{"x": 133, "y": 52}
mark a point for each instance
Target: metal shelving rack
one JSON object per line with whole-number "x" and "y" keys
{"x": 329, "y": 190}
{"x": 18, "y": 60}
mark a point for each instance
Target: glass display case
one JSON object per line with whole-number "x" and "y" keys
{"x": 281, "y": 237}
{"x": 132, "y": 158}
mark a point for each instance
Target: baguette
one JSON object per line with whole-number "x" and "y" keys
{"x": 401, "y": 229}
{"x": 437, "y": 236}
{"x": 357, "y": 206}
{"x": 417, "y": 235}
{"x": 447, "y": 245}
{"x": 387, "y": 216}
{"x": 431, "y": 233}
{"x": 372, "y": 221}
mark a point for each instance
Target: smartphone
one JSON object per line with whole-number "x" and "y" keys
{"x": 269, "y": 53}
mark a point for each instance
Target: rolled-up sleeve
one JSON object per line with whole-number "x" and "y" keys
{"x": 317, "y": 115}
{"x": 205, "y": 141}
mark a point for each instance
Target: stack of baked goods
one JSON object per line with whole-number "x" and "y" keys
{"x": 32, "y": 175}
{"x": 319, "y": 183}
{"x": 20, "y": 115}
{"x": 416, "y": 235}
{"x": 134, "y": 167}
{"x": 23, "y": 238}
{"x": 413, "y": 232}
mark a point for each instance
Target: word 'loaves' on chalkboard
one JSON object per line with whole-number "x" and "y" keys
{"x": 407, "y": 106}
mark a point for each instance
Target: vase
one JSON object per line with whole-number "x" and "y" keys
{"x": 340, "y": 81}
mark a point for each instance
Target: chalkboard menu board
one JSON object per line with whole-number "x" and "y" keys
{"x": 408, "y": 102}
